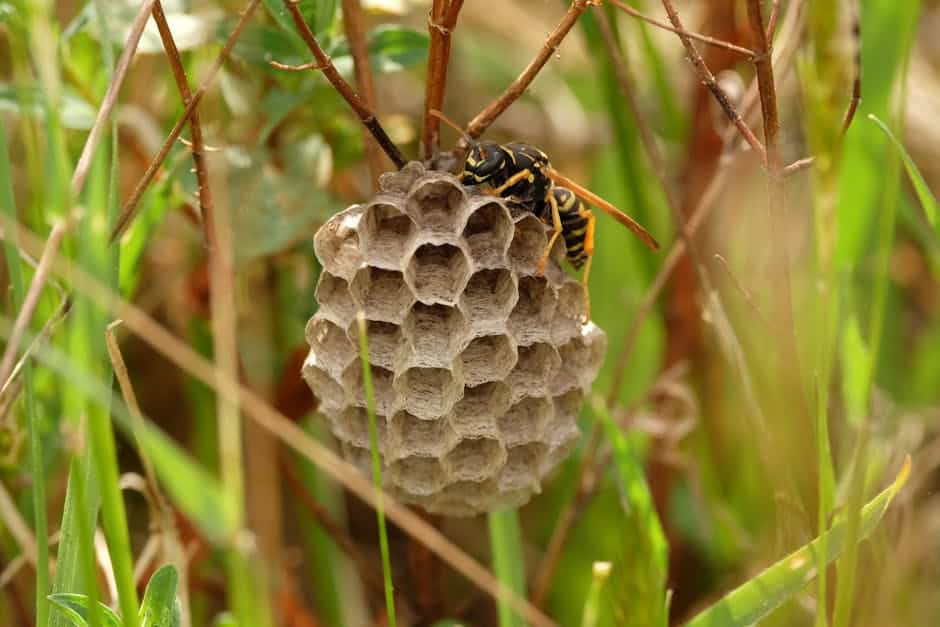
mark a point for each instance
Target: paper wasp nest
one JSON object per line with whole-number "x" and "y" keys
{"x": 479, "y": 366}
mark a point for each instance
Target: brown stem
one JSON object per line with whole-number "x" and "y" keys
{"x": 708, "y": 79}
{"x": 31, "y": 300}
{"x": 772, "y": 21}
{"x": 195, "y": 128}
{"x": 484, "y": 118}
{"x": 129, "y": 210}
{"x": 857, "y": 67}
{"x": 705, "y": 39}
{"x": 441, "y": 24}
{"x": 354, "y": 26}
{"x": 345, "y": 89}
{"x": 110, "y": 98}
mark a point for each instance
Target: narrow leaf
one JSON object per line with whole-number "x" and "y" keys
{"x": 76, "y": 608}
{"x": 856, "y": 371}
{"x": 761, "y": 595}
{"x": 159, "y": 607}
{"x": 927, "y": 200}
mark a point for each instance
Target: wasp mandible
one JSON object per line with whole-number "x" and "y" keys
{"x": 523, "y": 173}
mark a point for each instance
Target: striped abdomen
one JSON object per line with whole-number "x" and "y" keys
{"x": 574, "y": 223}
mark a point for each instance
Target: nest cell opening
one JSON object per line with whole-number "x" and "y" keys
{"x": 352, "y": 426}
{"x": 382, "y": 294}
{"x": 571, "y": 304}
{"x": 475, "y": 460}
{"x": 531, "y": 318}
{"x": 438, "y": 273}
{"x": 383, "y": 393}
{"x": 329, "y": 344}
{"x": 327, "y": 390}
{"x": 385, "y": 341}
{"x": 487, "y": 358}
{"x": 420, "y": 476}
{"x": 435, "y": 333}
{"x": 563, "y": 427}
{"x": 386, "y": 234}
{"x": 487, "y": 233}
{"x": 524, "y": 422}
{"x": 359, "y": 457}
{"x": 475, "y": 414}
{"x": 528, "y": 244}
{"x": 337, "y": 243}
{"x": 335, "y": 298}
{"x": 435, "y": 205}
{"x": 536, "y": 366}
{"x": 415, "y": 437}
{"x": 489, "y": 296}
{"x": 580, "y": 361}
{"x": 428, "y": 392}
{"x": 521, "y": 468}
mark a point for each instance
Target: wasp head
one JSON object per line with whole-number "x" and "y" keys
{"x": 483, "y": 162}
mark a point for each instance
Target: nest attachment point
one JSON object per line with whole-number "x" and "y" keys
{"x": 479, "y": 366}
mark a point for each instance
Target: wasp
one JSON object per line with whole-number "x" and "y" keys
{"x": 523, "y": 173}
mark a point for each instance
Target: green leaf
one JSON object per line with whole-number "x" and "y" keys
{"x": 857, "y": 367}
{"x": 391, "y": 48}
{"x": 76, "y": 608}
{"x": 159, "y": 607}
{"x": 75, "y": 113}
{"x": 761, "y": 595}
{"x": 508, "y": 560}
{"x": 644, "y": 577}
{"x": 927, "y": 200}
{"x": 194, "y": 490}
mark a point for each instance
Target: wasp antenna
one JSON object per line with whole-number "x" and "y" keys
{"x": 603, "y": 205}
{"x": 440, "y": 116}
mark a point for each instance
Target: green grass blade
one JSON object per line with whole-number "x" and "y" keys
{"x": 592, "y": 610}
{"x": 508, "y": 561}
{"x": 644, "y": 576}
{"x": 159, "y": 607}
{"x": 761, "y": 595}
{"x": 37, "y": 467}
{"x": 927, "y": 200}
{"x": 77, "y": 608}
{"x": 376, "y": 468}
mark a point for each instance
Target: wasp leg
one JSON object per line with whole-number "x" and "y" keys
{"x": 512, "y": 180}
{"x": 589, "y": 253}
{"x": 556, "y": 224}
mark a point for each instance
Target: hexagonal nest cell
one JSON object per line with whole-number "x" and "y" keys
{"x": 479, "y": 364}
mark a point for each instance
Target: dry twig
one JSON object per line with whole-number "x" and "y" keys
{"x": 484, "y": 118}
{"x": 708, "y": 79}
{"x": 857, "y": 67}
{"x": 705, "y": 39}
{"x": 110, "y": 97}
{"x": 31, "y": 300}
{"x": 355, "y": 28}
{"x": 366, "y": 116}
{"x": 195, "y": 128}
{"x": 129, "y": 210}
{"x": 441, "y": 24}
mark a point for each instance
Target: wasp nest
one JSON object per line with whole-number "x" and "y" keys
{"x": 479, "y": 365}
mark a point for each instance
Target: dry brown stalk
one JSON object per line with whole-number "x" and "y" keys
{"x": 705, "y": 39}
{"x": 772, "y": 21}
{"x": 441, "y": 23}
{"x": 256, "y": 408}
{"x": 129, "y": 210}
{"x": 708, "y": 79}
{"x": 857, "y": 67}
{"x": 355, "y": 28}
{"x": 361, "y": 109}
{"x": 484, "y": 118}
{"x": 31, "y": 300}
{"x": 110, "y": 98}
{"x": 195, "y": 128}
